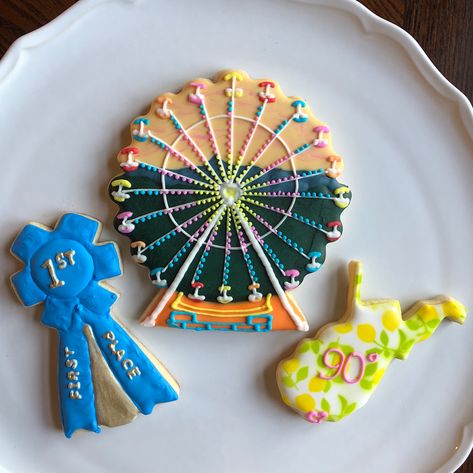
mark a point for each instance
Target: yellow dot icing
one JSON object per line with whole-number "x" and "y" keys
{"x": 305, "y": 402}
{"x": 366, "y": 333}
{"x": 391, "y": 320}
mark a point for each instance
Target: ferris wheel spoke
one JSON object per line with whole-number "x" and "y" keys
{"x": 231, "y": 92}
{"x": 273, "y": 256}
{"x": 292, "y": 195}
{"x": 123, "y": 189}
{"x": 278, "y": 163}
{"x": 180, "y": 228}
{"x": 170, "y": 210}
{"x": 196, "y": 283}
{"x": 288, "y": 241}
{"x": 266, "y": 145}
{"x": 339, "y": 199}
{"x": 299, "y": 116}
{"x": 174, "y": 175}
{"x": 255, "y": 239}
{"x": 332, "y": 234}
{"x": 124, "y": 194}
{"x": 195, "y": 148}
{"x": 141, "y": 135}
{"x": 224, "y": 288}
{"x": 184, "y": 248}
{"x": 150, "y": 320}
{"x": 249, "y": 137}
{"x": 199, "y": 99}
{"x": 230, "y": 123}
{"x": 283, "y": 180}
{"x": 254, "y": 296}
{"x": 177, "y": 154}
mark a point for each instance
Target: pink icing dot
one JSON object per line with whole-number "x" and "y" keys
{"x": 372, "y": 357}
{"x": 316, "y": 417}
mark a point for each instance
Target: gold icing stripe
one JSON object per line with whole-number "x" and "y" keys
{"x": 112, "y": 405}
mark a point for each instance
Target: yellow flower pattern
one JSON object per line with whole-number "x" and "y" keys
{"x": 334, "y": 374}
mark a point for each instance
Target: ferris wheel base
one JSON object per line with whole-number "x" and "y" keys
{"x": 266, "y": 315}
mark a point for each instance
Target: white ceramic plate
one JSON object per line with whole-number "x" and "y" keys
{"x": 67, "y": 93}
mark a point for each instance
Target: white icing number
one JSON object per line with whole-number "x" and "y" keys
{"x": 72, "y": 376}
{"x": 62, "y": 260}
{"x": 131, "y": 369}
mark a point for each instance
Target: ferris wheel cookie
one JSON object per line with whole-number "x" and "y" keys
{"x": 229, "y": 195}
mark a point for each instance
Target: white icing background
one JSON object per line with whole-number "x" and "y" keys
{"x": 68, "y": 93}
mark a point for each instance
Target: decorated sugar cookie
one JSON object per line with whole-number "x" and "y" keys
{"x": 335, "y": 373}
{"x": 104, "y": 376}
{"x": 229, "y": 194}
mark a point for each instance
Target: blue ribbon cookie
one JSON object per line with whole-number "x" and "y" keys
{"x": 105, "y": 377}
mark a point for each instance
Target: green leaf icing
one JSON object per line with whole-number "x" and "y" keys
{"x": 302, "y": 373}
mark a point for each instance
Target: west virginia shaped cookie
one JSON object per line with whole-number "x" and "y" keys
{"x": 335, "y": 373}
{"x": 229, "y": 196}
{"x": 104, "y": 375}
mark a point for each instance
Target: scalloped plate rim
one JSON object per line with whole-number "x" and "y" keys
{"x": 370, "y": 22}
{"x": 373, "y": 23}
{"x": 48, "y": 32}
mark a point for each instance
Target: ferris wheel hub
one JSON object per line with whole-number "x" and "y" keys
{"x": 230, "y": 193}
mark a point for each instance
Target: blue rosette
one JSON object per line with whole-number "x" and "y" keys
{"x": 63, "y": 269}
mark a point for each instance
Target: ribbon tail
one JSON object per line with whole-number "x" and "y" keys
{"x": 146, "y": 382}
{"x": 76, "y": 392}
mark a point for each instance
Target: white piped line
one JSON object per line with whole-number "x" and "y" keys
{"x": 150, "y": 320}
{"x": 303, "y": 326}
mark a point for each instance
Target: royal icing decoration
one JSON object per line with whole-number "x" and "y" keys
{"x": 104, "y": 376}
{"x": 335, "y": 373}
{"x": 229, "y": 196}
